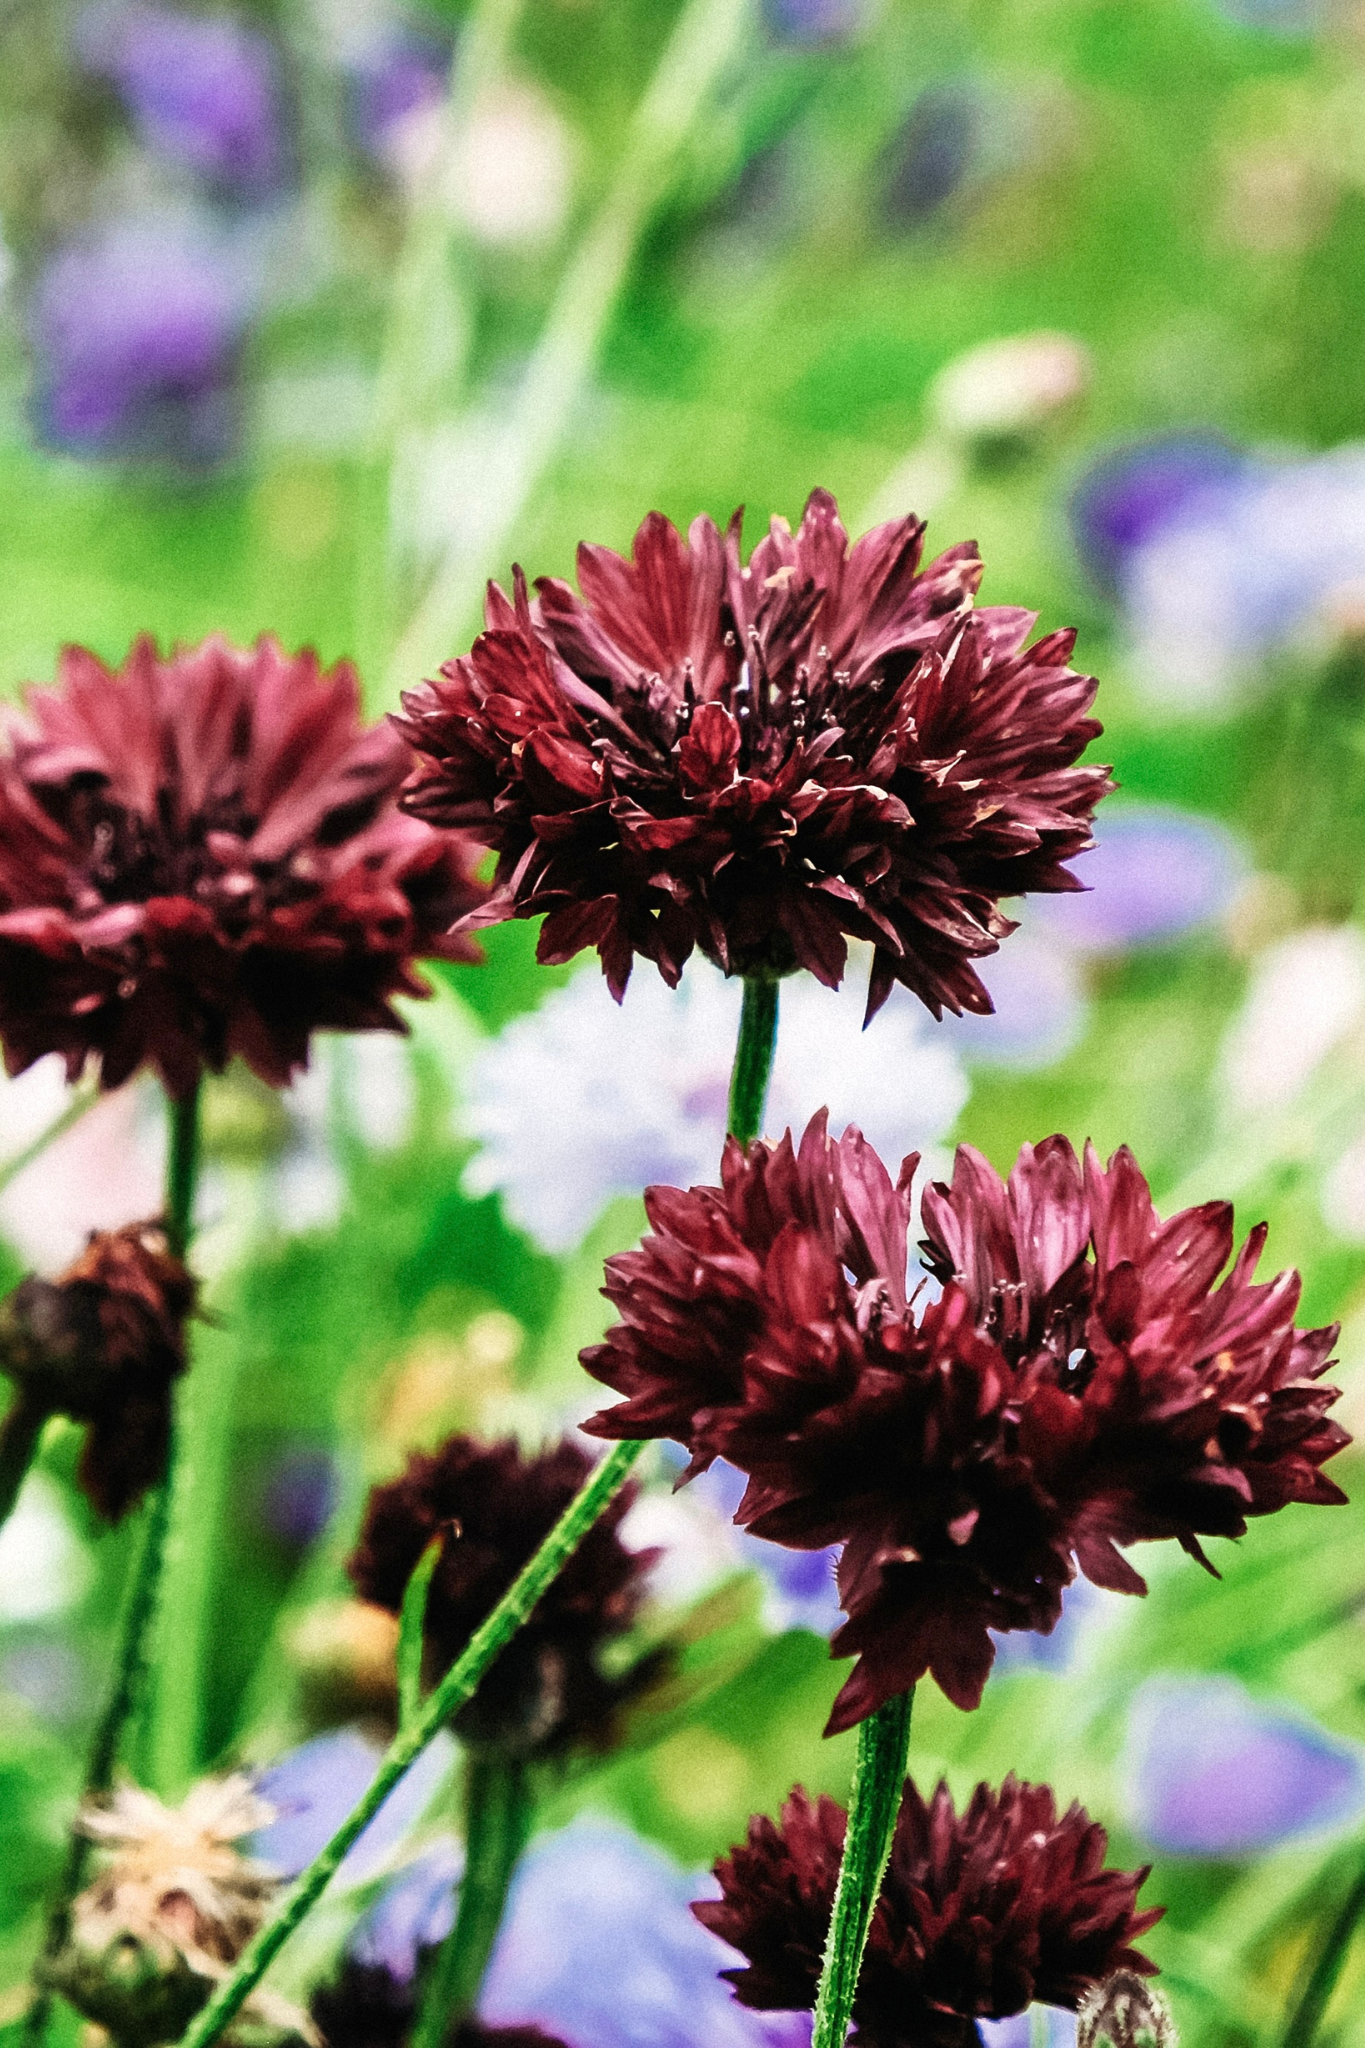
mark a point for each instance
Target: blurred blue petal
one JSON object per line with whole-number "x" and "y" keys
{"x": 802, "y": 1589}
{"x": 315, "y": 1787}
{"x": 1213, "y": 1772}
{"x": 813, "y": 21}
{"x": 1040, "y": 1005}
{"x": 1084, "y": 1608}
{"x": 1286, "y": 17}
{"x": 1130, "y": 493}
{"x": 415, "y": 1912}
{"x": 1153, "y": 873}
{"x": 1058, "y": 2029}
{"x": 599, "y": 1948}
{"x": 201, "y": 88}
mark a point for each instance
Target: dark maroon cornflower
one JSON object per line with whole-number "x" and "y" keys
{"x": 979, "y": 1915}
{"x": 764, "y": 761}
{"x": 102, "y": 1344}
{"x": 366, "y": 2006}
{"x": 547, "y": 1691}
{"x": 967, "y": 1452}
{"x": 202, "y": 856}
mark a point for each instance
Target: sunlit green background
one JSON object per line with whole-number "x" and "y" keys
{"x": 731, "y": 299}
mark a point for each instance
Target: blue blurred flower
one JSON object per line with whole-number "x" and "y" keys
{"x": 202, "y": 90}
{"x": 1210, "y": 1771}
{"x": 1288, "y": 17}
{"x": 299, "y": 1494}
{"x": 634, "y": 1971}
{"x": 1058, "y": 2029}
{"x": 135, "y": 325}
{"x": 1084, "y": 1609}
{"x": 813, "y": 21}
{"x": 1154, "y": 874}
{"x": 801, "y": 1588}
{"x": 394, "y": 71}
{"x": 932, "y": 154}
{"x": 315, "y": 1787}
{"x": 640, "y": 1089}
{"x": 1129, "y": 494}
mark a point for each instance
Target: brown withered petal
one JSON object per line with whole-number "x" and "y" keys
{"x": 494, "y": 1505}
{"x": 763, "y": 761}
{"x": 103, "y": 1344}
{"x": 202, "y": 856}
{"x": 980, "y": 1913}
{"x": 366, "y": 2006}
{"x": 1081, "y": 1382}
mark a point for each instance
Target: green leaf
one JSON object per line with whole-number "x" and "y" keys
{"x": 410, "y": 1626}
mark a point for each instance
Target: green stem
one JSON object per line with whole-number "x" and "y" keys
{"x": 182, "y": 1170}
{"x": 704, "y": 38}
{"x": 20, "y": 1433}
{"x": 498, "y": 1815}
{"x": 1307, "y": 2015}
{"x": 878, "y": 1780}
{"x": 753, "y": 1057}
{"x": 459, "y": 1685}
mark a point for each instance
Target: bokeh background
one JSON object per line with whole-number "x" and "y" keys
{"x": 313, "y": 315}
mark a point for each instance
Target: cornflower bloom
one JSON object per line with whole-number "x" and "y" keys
{"x": 201, "y": 856}
{"x": 764, "y": 760}
{"x": 1080, "y": 1383}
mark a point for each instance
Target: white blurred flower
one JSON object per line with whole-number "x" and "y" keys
{"x": 1343, "y": 1194}
{"x": 584, "y": 1100}
{"x": 1009, "y": 386}
{"x": 364, "y": 1081}
{"x": 44, "y": 1567}
{"x": 1306, "y": 993}
{"x": 1258, "y": 563}
{"x": 104, "y": 1169}
{"x": 510, "y": 179}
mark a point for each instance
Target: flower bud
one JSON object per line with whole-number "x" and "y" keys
{"x": 1124, "y": 2012}
{"x": 1006, "y": 389}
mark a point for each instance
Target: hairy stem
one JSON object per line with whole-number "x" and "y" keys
{"x": 878, "y": 1781}
{"x": 498, "y": 1815}
{"x": 140, "y": 1601}
{"x": 20, "y": 1433}
{"x": 459, "y": 1685}
{"x": 1307, "y": 2015}
{"x": 753, "y": 1057}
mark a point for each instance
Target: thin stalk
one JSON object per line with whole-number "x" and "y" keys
{"x": 20, "y": 1434}
{"x": 1322, "y": 1982}
{"x": 498, "y": 1815}
{"x": 704, "y": 38}
{"x": 459, "y": 1685}
{"x": 878, "y": 1781}
{"x": 753, "y": 1057}
{"x": 140, "y": 1603}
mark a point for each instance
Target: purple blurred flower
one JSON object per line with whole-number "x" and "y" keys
{"x": 396, "y": 71}
{"x": 1154, "y": 874}
{"x": 1286, "y": 17}
{"x": 314, "y": 1788}
{"x": 598, "y": 1946}
{"x": 932, "y": 154}
{"x": 1059, "y": 2029}
{"x": 136, "y": 325}
{"x": 202, "y": 90}
{"x": 1213, "y": 1772}
{"x": 813, "y": 21}
{"x": 299, "y": 1494}
{"x": 600, "y": 1949}
{"x": 1131, "y": 493}
{"x": 1084, "y": 1609}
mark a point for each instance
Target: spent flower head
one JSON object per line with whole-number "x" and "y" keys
{"x": 103, "y": 1344}
{"x": 201, "y": 856}
{"x": 1081, "y": 1382}
{"x": 980, "y": 1913}
{"x": 762, "y": 761}
{"x": 169, "y": 1912}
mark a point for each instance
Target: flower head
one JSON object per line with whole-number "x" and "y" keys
{"x": 764, "y": 761}
{"x": 979, "y": 1914}
{"x": 103, "y": 1344}
{"x": 169, "y": 1913}
{"x": 547, "y": 1691}
{"x": 1124, "y": 2012}
{"x": 366, "y": 2006}
{"x": 968, "y": 1451}
{"x": 201, "y": 856}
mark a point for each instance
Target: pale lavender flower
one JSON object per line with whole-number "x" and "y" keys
{"x": 639, "y": 1089}
{"x": 202, "y": 89}
{"x": 1212, "y": 1771}
{"x": 394, "y": 71}
{"x": 314, "y": 1787}
{"x": 1154, "y": 874}
{"x": 813, "y": 21}
{"x": 136, "y": 324}
{"x": 1129, "y": 494}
